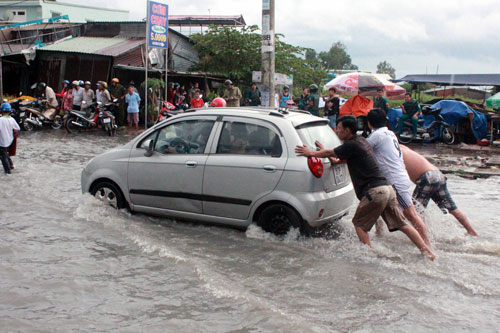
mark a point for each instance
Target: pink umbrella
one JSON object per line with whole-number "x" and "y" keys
{"x": 365, "y": 84}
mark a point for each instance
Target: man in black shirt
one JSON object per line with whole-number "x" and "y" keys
{"x": 377, "y": 197}
{"x": 332, "y": 106}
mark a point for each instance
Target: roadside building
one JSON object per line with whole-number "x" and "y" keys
{"x": 12, "y": 11}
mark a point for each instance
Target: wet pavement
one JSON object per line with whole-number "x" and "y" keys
{"x": 69, "y": 263}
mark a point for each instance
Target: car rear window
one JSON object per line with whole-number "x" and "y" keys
{"x": 318, "y": 131}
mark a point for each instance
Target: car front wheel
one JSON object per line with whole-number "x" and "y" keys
{"x": 109, "y": 193}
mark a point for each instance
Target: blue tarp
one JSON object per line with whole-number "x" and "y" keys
{"x": 393, "y": 115}
{"x": 453, "y": 111}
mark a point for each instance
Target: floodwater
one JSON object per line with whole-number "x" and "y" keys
{"x": 69, "y": 263}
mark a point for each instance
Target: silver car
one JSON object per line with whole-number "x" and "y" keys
{"x": 228, "y": 166}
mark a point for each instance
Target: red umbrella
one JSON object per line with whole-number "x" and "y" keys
{"x": 365, "y": 84}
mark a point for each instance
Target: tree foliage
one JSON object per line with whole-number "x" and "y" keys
{"x": 385, "y": 68}
{"x": 236, "y": 52}
{"x": 337, "y": 57}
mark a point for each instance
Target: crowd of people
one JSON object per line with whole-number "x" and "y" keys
{"x": 78, "y": 95}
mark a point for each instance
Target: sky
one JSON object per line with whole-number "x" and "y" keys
{"x": 415, "y": 37}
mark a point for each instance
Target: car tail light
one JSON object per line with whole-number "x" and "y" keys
{"x": 316, "y": 166}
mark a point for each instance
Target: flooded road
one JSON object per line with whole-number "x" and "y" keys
{"x": 69, "y": 263}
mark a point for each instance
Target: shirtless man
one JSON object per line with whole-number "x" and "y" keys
{"x": 431, "y": 184}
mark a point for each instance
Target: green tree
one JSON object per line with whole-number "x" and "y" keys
{"x": 236, "y": 53}
{"x": 337, "y": 58}
{"x": 385, "y": 68}
{"x": 229, "y": 51}
{"x": 311, "y": 54}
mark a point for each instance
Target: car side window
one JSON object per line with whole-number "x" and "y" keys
{"x": 184, "y": 137}
{"x": 248, "y": 139}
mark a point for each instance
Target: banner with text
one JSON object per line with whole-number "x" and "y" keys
{"x": 158, "y": 25}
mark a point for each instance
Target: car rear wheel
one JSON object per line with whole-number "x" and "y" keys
{"x": 109, "y": 193}
{"x": 279, "y": 219}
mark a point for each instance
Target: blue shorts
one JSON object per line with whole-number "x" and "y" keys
{"x": 432, "y": 185}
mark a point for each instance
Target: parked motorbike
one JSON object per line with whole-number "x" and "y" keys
{"x": 99, "y": 114}
{"x": 39, "y": 114}
{"x": 168, "y": 110}
{"x": 107, "y": 117}
{"x": 437, "y": 130}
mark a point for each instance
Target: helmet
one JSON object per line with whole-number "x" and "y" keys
{"x": 105, "y": 84}
{"x": 75, "y": 83}
{"x": 88, "y": 83}
{"x": 42, "y": 85}
{"x": 228, "y": 82}
{"x": 6, "y": 107}
{"x": 100, "y": 84}
{"x": 286, "y": 87}
{"x": 81, "y": 83}
{"x": 66, "y": 82}
{"x": 115, "y": 80}
{"x": 218, "y": 102}
{"x": 313, "y": 88}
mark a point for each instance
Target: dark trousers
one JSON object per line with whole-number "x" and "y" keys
{"x": 4, "y": 156}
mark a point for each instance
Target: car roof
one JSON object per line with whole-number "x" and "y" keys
{"x": 296, "y": 117}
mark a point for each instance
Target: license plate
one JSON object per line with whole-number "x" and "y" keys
{"x": 339, "y": 174}
{"x": 106, "y": 120}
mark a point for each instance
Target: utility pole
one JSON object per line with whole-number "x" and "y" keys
{"x": 268, "y": 54}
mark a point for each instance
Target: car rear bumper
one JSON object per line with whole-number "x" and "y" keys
{"x": 333, "y": 205}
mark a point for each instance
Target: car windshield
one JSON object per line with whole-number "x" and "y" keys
{"x": 318, "y": 131}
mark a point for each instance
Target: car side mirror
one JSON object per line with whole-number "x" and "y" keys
{"x": 149, "y": 145}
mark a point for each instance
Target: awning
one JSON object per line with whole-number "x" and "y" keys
{"x": 453, "y": 79}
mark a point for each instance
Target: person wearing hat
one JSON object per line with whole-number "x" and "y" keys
{"x": 77, "y": 95}
{"x": 66, "y": 86}
{"x": 88, "y": 97}
{"x": 8, "y": 131}
{"x": 52, "y": 103}
{"x": 232, "y": 94}
{"x": 102, "y": 94}
{"x": 118, "y": 91}
{"x": 253, "y": 95}
{"x": 313, "y": 106}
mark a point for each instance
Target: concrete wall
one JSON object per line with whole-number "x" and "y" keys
{"x": 33, "y": 10}
{"x": 40, "y": 9}
{"x": 82, "y": 14}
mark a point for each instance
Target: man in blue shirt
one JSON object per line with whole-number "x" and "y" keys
{"x": 134, "y": 101}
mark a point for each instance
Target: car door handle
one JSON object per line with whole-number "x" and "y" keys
{"x": 269, "y": 168}
{"x": 191, "y": 164}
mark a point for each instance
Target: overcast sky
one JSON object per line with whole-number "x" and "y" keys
{"x": 458, "y": 36}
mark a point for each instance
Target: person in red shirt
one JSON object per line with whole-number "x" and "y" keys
{"x": 65, "y": 87}
{"x": 197, "y": 101}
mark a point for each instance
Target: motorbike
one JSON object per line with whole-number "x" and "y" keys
{"x": 167, "y": 111}
{"x": 107, "y": 117}
{"x": 39, "y": 114}
{"x": 437, "y": 130}
{"x": 99, "y": 114}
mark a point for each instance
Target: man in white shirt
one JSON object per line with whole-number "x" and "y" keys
{"x": 390, "y": 159}
{"x": 8, "y": 128}
{"x": 77, "y": 95}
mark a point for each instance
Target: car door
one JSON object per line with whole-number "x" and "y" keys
{"x": 245, "y": 164}
{"x": 172, "y": 176}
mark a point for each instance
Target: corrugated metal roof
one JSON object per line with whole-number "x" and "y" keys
{"x": 96, "y": 45}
